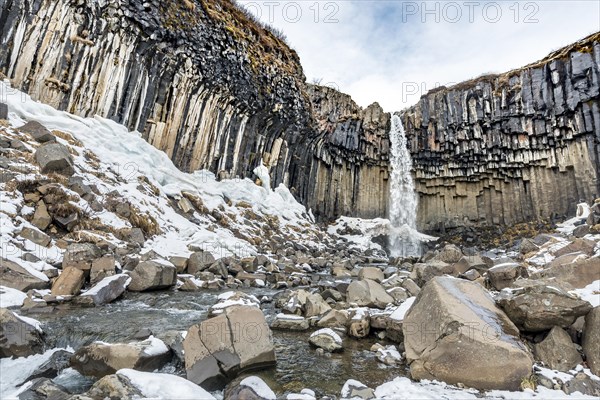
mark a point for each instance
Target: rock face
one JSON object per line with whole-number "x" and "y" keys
{"x": 17, "y": 337}
{"x": 455, "y": 333}
{"x": 539, "y": 308}
{"x": 217, "y": 349}
{"x": 101, "y": 359}
{"x": 497, "y": 143}
{"x": 494, "y": 149}
{"x": 591, "y": 340}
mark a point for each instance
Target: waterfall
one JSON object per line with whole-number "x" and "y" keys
{"x": 403, "y": 237}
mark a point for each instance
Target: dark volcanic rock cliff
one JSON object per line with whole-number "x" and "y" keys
{"x": 204, "y": 82}
{"x": 509, "y": 148}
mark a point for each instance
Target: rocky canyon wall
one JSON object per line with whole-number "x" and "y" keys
{"x": 513, "y": 147}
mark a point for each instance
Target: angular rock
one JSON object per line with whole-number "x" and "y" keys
{"x": 80, "y": 255}
{"x": 54, "y": 157}
{"x": 58, "y": 361}
{"x": 69, "y": 282}
{"x": 108, "y": 289}
{"x": 15, "y": 276}
{"x": 578, "y": 274}
{"x": 38, "y": 132}
{"x": 455, "y": 333}
{"x": 102, "y": 267}
{"x": 152, "y": 275}
{"x": 541, "y": 307}
{"x": 334, "y": 319}
{"x": 557, "y": 351}
{"x": 412, "y": 288}
{"x": 100, "y": 359}
{"x": 591, "y": 340}
{"x": 359, "y": 324}
{"x": 36, "y": 236}
{"x": 368, "y": 293}
{"x": 18, "y": 337}
{"x": 326, "y": 339}
{"x": 503, "y": 275}
{"x": 219, "y": 348}
{"x": 372, "y": 273}
{"x": 450, "y": 254}
{"x": 44, "y": 389}
{"x": 249, "y": 388}
{"x": 353, "y": 389}
{"x": 199, "y": 261}
{"x": 290, "y": 322}
{"x": 3, "y": 111}
{"x": 423, "y": 273}
{"x": 583, "y": 384}
{"x": 578, "y": 245}
{"x": 41, "y": 219}
{"x": 315, "y": 306}
{"x": 180, "y": 263}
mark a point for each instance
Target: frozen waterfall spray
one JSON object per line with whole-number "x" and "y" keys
{"x": 403, "y": 235}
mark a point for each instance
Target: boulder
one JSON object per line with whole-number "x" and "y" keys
{"x": 101, "y": 268}
{"x": 326, "y": 339}
{"x": 108, "y": 289}
{"x": 55, "y": 157}
{"x": 199, "y": 261}
{"x": 584, "y": 384}
{"x": 111, "y": 387}
{"x": 368, "y": 293}
{"x": 359, "y": 324}
{"x": 38, "y": 132}
{"x": 152, "y": 275}
{"x": 36, "y": 236}
{"x": 557, "y": 351}
{"x": 3, "y": 111}
{"x": 19, "y": 336}
{"x": 540, "y": 307}
{"x": 372, "y": 273}
{"x": 503, "y": 275}
{"x": 591, "y": 340}
{"x": 315, "y": 305}
{"x": 50, "y": 368}
{"x": 410, "y": 285}
{"x": 17, "y": 277}
{"x": 100, "y": 359}
{"x": 395, "y": 320}
{"x": 423, "y": 273}
{"x": 290, "y": 322}
{"x": 450, "y": 254}
{"x": 217, "y": 349}
{"x": 578, "y": 274}
{"x": 81, "y": 256}
{"x": 69, "y": 282}
{"x": 42, "y": 389}
{"x": 180, "y": 263}
{"x": 583, "y": 246}
{"x": 249, "y": 388}
{"x": 160, "y": 386}
{"x": 455, "y": 333}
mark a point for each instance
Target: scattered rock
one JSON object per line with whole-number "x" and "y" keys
{"x": 108, "y": 289}
{"x": 42, "y": 389}
{"x": 58, "y": 361}
{"x": 503, "y": 275}
{"x": 41, "y": 219}
{"x": 368, "y": 293}
{"x": 199, "y": 261}
{"x": 152, "y": 275}
{"x": 36, "y": 236}
{"x": 540, "y": 307}
{"x": 450, "y": 254}
{"x": 455, "y": 333}
{"x": 81, "y": 256}
{"x": 578, "y": 274}
{"x": 334, "y": 319}
{"x": 583, "y": 384}
{"x": 250, "y": 388}
{"x": 353, "y": 389}
{"x": 423, "y": 273}
{"x": 69, "y": 282}
{"x": 557, "y": 351}
{"x": 326, "y": 339}
{"x": 217, "y": 349}
{"x": 17, "y": 277}
{"x": 99, "y": 359}
{"x": 19, "y": 337}
{"x": 102, "y": 267}
{"x": 315, "y": 306}
{"x": 54, "y": 157}
{"x": 359, "y": 324}
{"x": 372, "y": 273}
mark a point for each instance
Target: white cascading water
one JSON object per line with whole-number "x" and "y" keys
{"x": 403, "y": 237}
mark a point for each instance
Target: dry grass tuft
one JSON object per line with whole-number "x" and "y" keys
{"x": 147, "y": 223}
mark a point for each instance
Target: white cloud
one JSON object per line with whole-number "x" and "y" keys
{"x": 378, "y": 52}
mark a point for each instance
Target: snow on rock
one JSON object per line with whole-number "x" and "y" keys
{"x": 590, "y": 293}
{"x": 259, "y": 387}
{"x": 15, "y": 370}
{"x": 263, "y": 174}
{"x": 230, "y": 299}
{"x": 164, "y": 386}
{"x": 400, "y": 312}
{"x": 10, "y": 297}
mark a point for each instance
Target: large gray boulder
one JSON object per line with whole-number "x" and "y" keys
{"x": 153, "y": 275}
{"x": 69, "y": 282}
{"x": 455, "y": 333}
{"x": 18, "y": 337}
{"x": 326, "y": 339}
{"x": 557, "y": 351}
{"x": 81, "y": 256}
{"x": 55, "y": 157}
{"x": 100, "y": 359}
{"x": 199, "y": 261}
{"x": 503, "y": 275}
{"x": 17, "y": 277}
{"x": 107, "y": 290}
{"x": 217, "y": 349}
{"x": 591, "y": 340}
{"x": 38, "y": 132}
{"x": 368, "y": 293}
{"x": 578, "y": 274}
{"x": 541, "y": 307}
{"x": 248, "y": 388}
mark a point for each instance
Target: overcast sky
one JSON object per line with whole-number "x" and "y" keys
{"x": 391, "y": 51}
